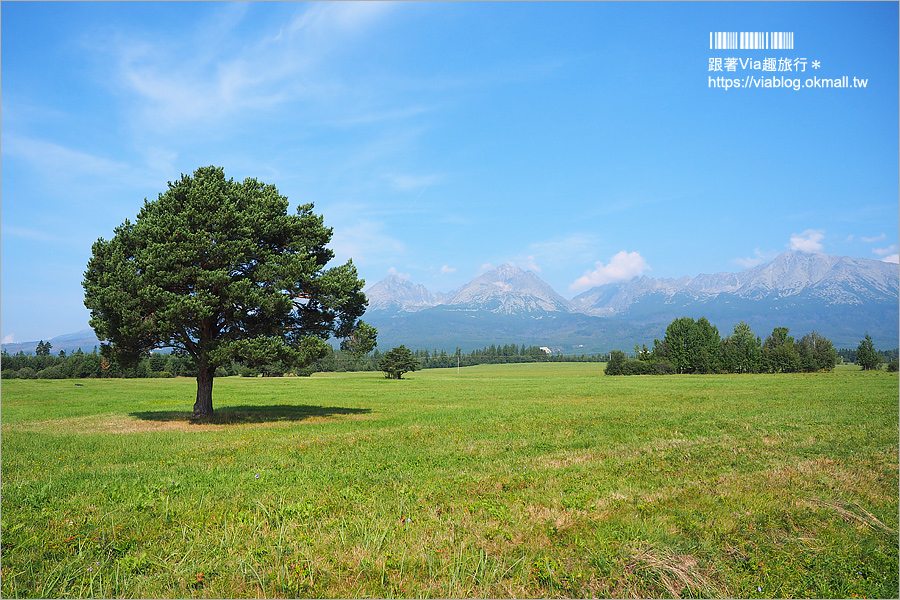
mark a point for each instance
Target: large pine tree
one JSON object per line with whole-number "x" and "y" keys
{"x": 220, "y": 271}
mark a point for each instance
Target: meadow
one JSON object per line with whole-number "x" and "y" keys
{"x": 528, "y": 480}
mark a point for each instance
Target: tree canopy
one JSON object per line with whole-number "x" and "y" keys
{"x": 741, "y": 351}
{"x": 866, "y": 355}
{"x": 695, "y": 347}
{"x": 220, "y": 271}
{"x": 397, "y": 361}
{"x": 690, "y": 346}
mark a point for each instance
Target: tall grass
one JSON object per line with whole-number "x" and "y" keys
{"x": 532, "y": 480}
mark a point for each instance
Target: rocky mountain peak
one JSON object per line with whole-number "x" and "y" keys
{"x": 396, "y": 293}
{"x": 508, "y": 289}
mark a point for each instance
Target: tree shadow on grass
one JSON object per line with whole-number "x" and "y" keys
{"x": 239, "y": 415}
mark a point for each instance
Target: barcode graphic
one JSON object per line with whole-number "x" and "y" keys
{"x": 751, "y": 40}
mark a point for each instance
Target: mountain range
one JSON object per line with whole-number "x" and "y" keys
{"x": 85, "y": 340}
{"x": 840, "y": 297}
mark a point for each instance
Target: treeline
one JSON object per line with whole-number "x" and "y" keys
{"x": 441, "y": 359}
{"x": 80, "y": 365}
{"x": 691, "y": 346}
{"x": 45, "y": 365}
{"x": 688, "y": 346}
{"x": 850, "y": 355}
{"x": 496, "y": 355}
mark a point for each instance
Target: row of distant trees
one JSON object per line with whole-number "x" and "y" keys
{"x": 335, "y": 360}
{"x": 688, "y": 347}
{"x": 691, "y": 346}
{"x": 46, "y": 365}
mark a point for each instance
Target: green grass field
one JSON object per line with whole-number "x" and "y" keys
{"x": 534, "y": 480}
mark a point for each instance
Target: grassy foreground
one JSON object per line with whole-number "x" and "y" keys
{"x": 534, "y": 480}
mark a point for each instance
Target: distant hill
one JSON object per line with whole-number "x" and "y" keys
{"x": 70, "y": 342}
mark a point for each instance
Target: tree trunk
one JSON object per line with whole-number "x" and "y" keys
{"x": 203, "y": 406}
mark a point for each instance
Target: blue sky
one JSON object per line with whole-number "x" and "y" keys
{"x": 579, "y": 140}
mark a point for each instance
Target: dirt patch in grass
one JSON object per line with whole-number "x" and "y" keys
{"x": 226, "y": 418}
{"x": 565, "y": 459}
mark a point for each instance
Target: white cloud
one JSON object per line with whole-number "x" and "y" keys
{"x": 72, "y": 162}
{"x": 447, "y": 269}
{"x": 366, "y": 243}
{"x": 874, "y": 239}
{"x": 885, "y": 251}
{"x": 396, "y": 273}
{"x": 327, "y": 19}
{"x": 563, "y": 251}
{"x": 808, "y": 241}
{"x": 205, "y": 78}
{"x": 758, "y": 258}
{"x": 413, "y": 182}
{"x": 30, "y": 234}
{"x": 893, "y": 258}
{"x": 9, "y": 339}
{"x": 527, "y": 263}
{"x": 92, "y": 181}
{"x": 622, "y": 267}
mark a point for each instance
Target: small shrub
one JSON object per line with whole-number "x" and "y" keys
{"x": 893, "y": 366}
{"x": 51, "y": 373}
{"x": 637, "y": 367}
{"x": 662, "y": 368}
{"x": 26, "y": 373}
{"x": 616, "y": 363}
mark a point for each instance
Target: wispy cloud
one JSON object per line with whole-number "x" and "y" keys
{"x": 808, "y": 241}
{"x": 893, "y": 258}
{"x": 393, "y": 271}
{"x": 877, "y": 238}
{"x": 30, "y": 234}
{"x": 40, "y": 152}
{"x": 366, "y": 243}
{"x": 527, "y": 263}
{"x": 204, "y": 79}
{"x": 622, "y": 267}
{"x": 759, "y": 257}
{"x": 79, "y": 176}
{"x": 892, "y": 249}
{"x": 579, "y": 247}
{"x": 446, "y": 270}
{"x": 324, "y": 20}
{"x": 406, "y": 182}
